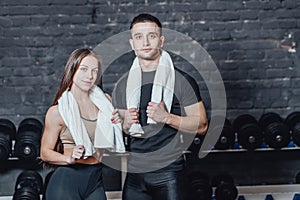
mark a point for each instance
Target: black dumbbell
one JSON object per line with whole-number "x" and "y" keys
{"x": 276, "y": 132}
{"x": 225, "y": 187}
{"x": 200, "y": 186}
{"x": 297, "y": 178}
{"x": 293, "y": 122}
{"x": 227, "y": 136}
{"x": 29, "y": 186}
{"x": 27, "y": 146}
{"x": 195, "y": 144}
{"x": 249, "y": 133}
{"x": 7, "y": 134}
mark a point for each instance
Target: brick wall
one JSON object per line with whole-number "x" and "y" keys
{"x": 254, "y": 44}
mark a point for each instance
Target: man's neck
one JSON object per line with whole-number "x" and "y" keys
{"x": 149, "y": 65}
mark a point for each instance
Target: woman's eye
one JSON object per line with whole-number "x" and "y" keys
{"x": 83, "y": 69}
{"x": 95, "y": 71}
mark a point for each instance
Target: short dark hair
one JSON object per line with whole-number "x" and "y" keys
{"x": 144, "y": 17}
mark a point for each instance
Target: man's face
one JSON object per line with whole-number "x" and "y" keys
{"x": 146, "y": 40}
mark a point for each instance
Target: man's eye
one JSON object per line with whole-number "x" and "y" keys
{"x": 152, "y": 36}
{"x": 138, "y": 37}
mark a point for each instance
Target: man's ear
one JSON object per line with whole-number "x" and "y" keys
{"x": 162, "y": 40}
{"x": 131, "y": 43}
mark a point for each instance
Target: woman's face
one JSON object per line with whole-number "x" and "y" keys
{"x": 86, "y": 74}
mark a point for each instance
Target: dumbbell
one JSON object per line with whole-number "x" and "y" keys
{"x": 249, "y": 133}
{"x": 195, "y": 144}
{"x": 225, "y": 187}
{"x": 293, "y": 122}
{"x": 29, "y": 186}
{"x": 269, "y": 197}
{"x": 7, "y": 134}
{"x": 200, "y": 186}
{"x": 276, "y": 132}
{"x": 227, "y": 136}
{"x": 297, "y": 178}
{"x": 27, "y": 146}
{"x": 296, "y": 196}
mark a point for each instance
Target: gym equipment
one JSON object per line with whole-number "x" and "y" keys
{"x": 269, "y": 197}
{"x": 29, "y": 186}
{"x": 225, "y": 188}
{"x": 27, "y": 146}
{"x": 296, "y": 196}
{"x": 241, "y": 197}
{"x": 7, "y": 134}
{"x": 195, "y": 146}
{"x": 227, "y": 136}
{"x": 249, "y": 133}
{"x": 276, "y": 132}
{"x": 293, "y": 122}
{"x": 297, "y": 178}
{"x": 200, "y": 186}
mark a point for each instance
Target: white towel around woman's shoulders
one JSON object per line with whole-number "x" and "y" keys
{"x": 107, "y": 135}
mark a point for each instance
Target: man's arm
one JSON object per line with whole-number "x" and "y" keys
{"x": 194, "y": 122}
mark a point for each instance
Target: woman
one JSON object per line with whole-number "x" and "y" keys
{"x": 73, "y": 123}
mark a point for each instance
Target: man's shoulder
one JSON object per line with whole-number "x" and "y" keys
{"x": 180, "y": 74}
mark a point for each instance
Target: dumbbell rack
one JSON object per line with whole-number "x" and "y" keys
{"x": 113, "y": 179}
{"x": 256, "y": 173}
{"x": 278, "y": 192}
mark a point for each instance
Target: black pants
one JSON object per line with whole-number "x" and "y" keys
{"x": 76, "y": 182}
{"x": 155, "y": 186}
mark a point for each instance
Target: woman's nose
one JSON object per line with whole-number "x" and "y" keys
{"x": 90, "y": 74}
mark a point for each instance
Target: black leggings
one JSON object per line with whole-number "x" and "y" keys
{"x": 76, "y": 182}
{"x": 155, "y": 186}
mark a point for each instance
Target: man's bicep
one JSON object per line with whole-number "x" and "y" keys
{"x": 196, "y": 109}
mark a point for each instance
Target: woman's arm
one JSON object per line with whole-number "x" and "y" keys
{"x": 52, "y": 128}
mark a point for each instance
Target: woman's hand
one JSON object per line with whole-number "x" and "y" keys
{"x": 131, "y": 117}
{"x": 77, "y": 153}
{"x": 115, "y": 119}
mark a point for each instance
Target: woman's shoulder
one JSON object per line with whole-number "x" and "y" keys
{"x": 54, "y": 115}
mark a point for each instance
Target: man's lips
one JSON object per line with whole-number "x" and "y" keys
{"x": 146, "y": 50}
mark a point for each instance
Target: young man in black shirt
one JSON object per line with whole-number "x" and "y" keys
{"x": 158, "y": 102}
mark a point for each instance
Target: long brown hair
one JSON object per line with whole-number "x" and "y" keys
{"x": 71, "y": 68}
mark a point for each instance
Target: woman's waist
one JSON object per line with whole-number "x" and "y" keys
{"x": 89, "y": 160}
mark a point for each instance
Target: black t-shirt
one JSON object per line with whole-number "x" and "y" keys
{"x": 159, "y": 148}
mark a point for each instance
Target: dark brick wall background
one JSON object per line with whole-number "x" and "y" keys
{"x": 254, "y": 44}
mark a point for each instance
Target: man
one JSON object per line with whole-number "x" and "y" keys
{"x": 157, "y": 102}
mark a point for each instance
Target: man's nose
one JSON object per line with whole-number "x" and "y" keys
{"x": 146, "y": 41}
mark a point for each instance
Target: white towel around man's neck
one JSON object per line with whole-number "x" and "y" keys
{"x": 107, "y": 135}
{"x": 162, "y": 90}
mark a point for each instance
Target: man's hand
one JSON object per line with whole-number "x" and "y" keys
{"x": 131, "y": 117}
{"x": 157, "y": 112}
